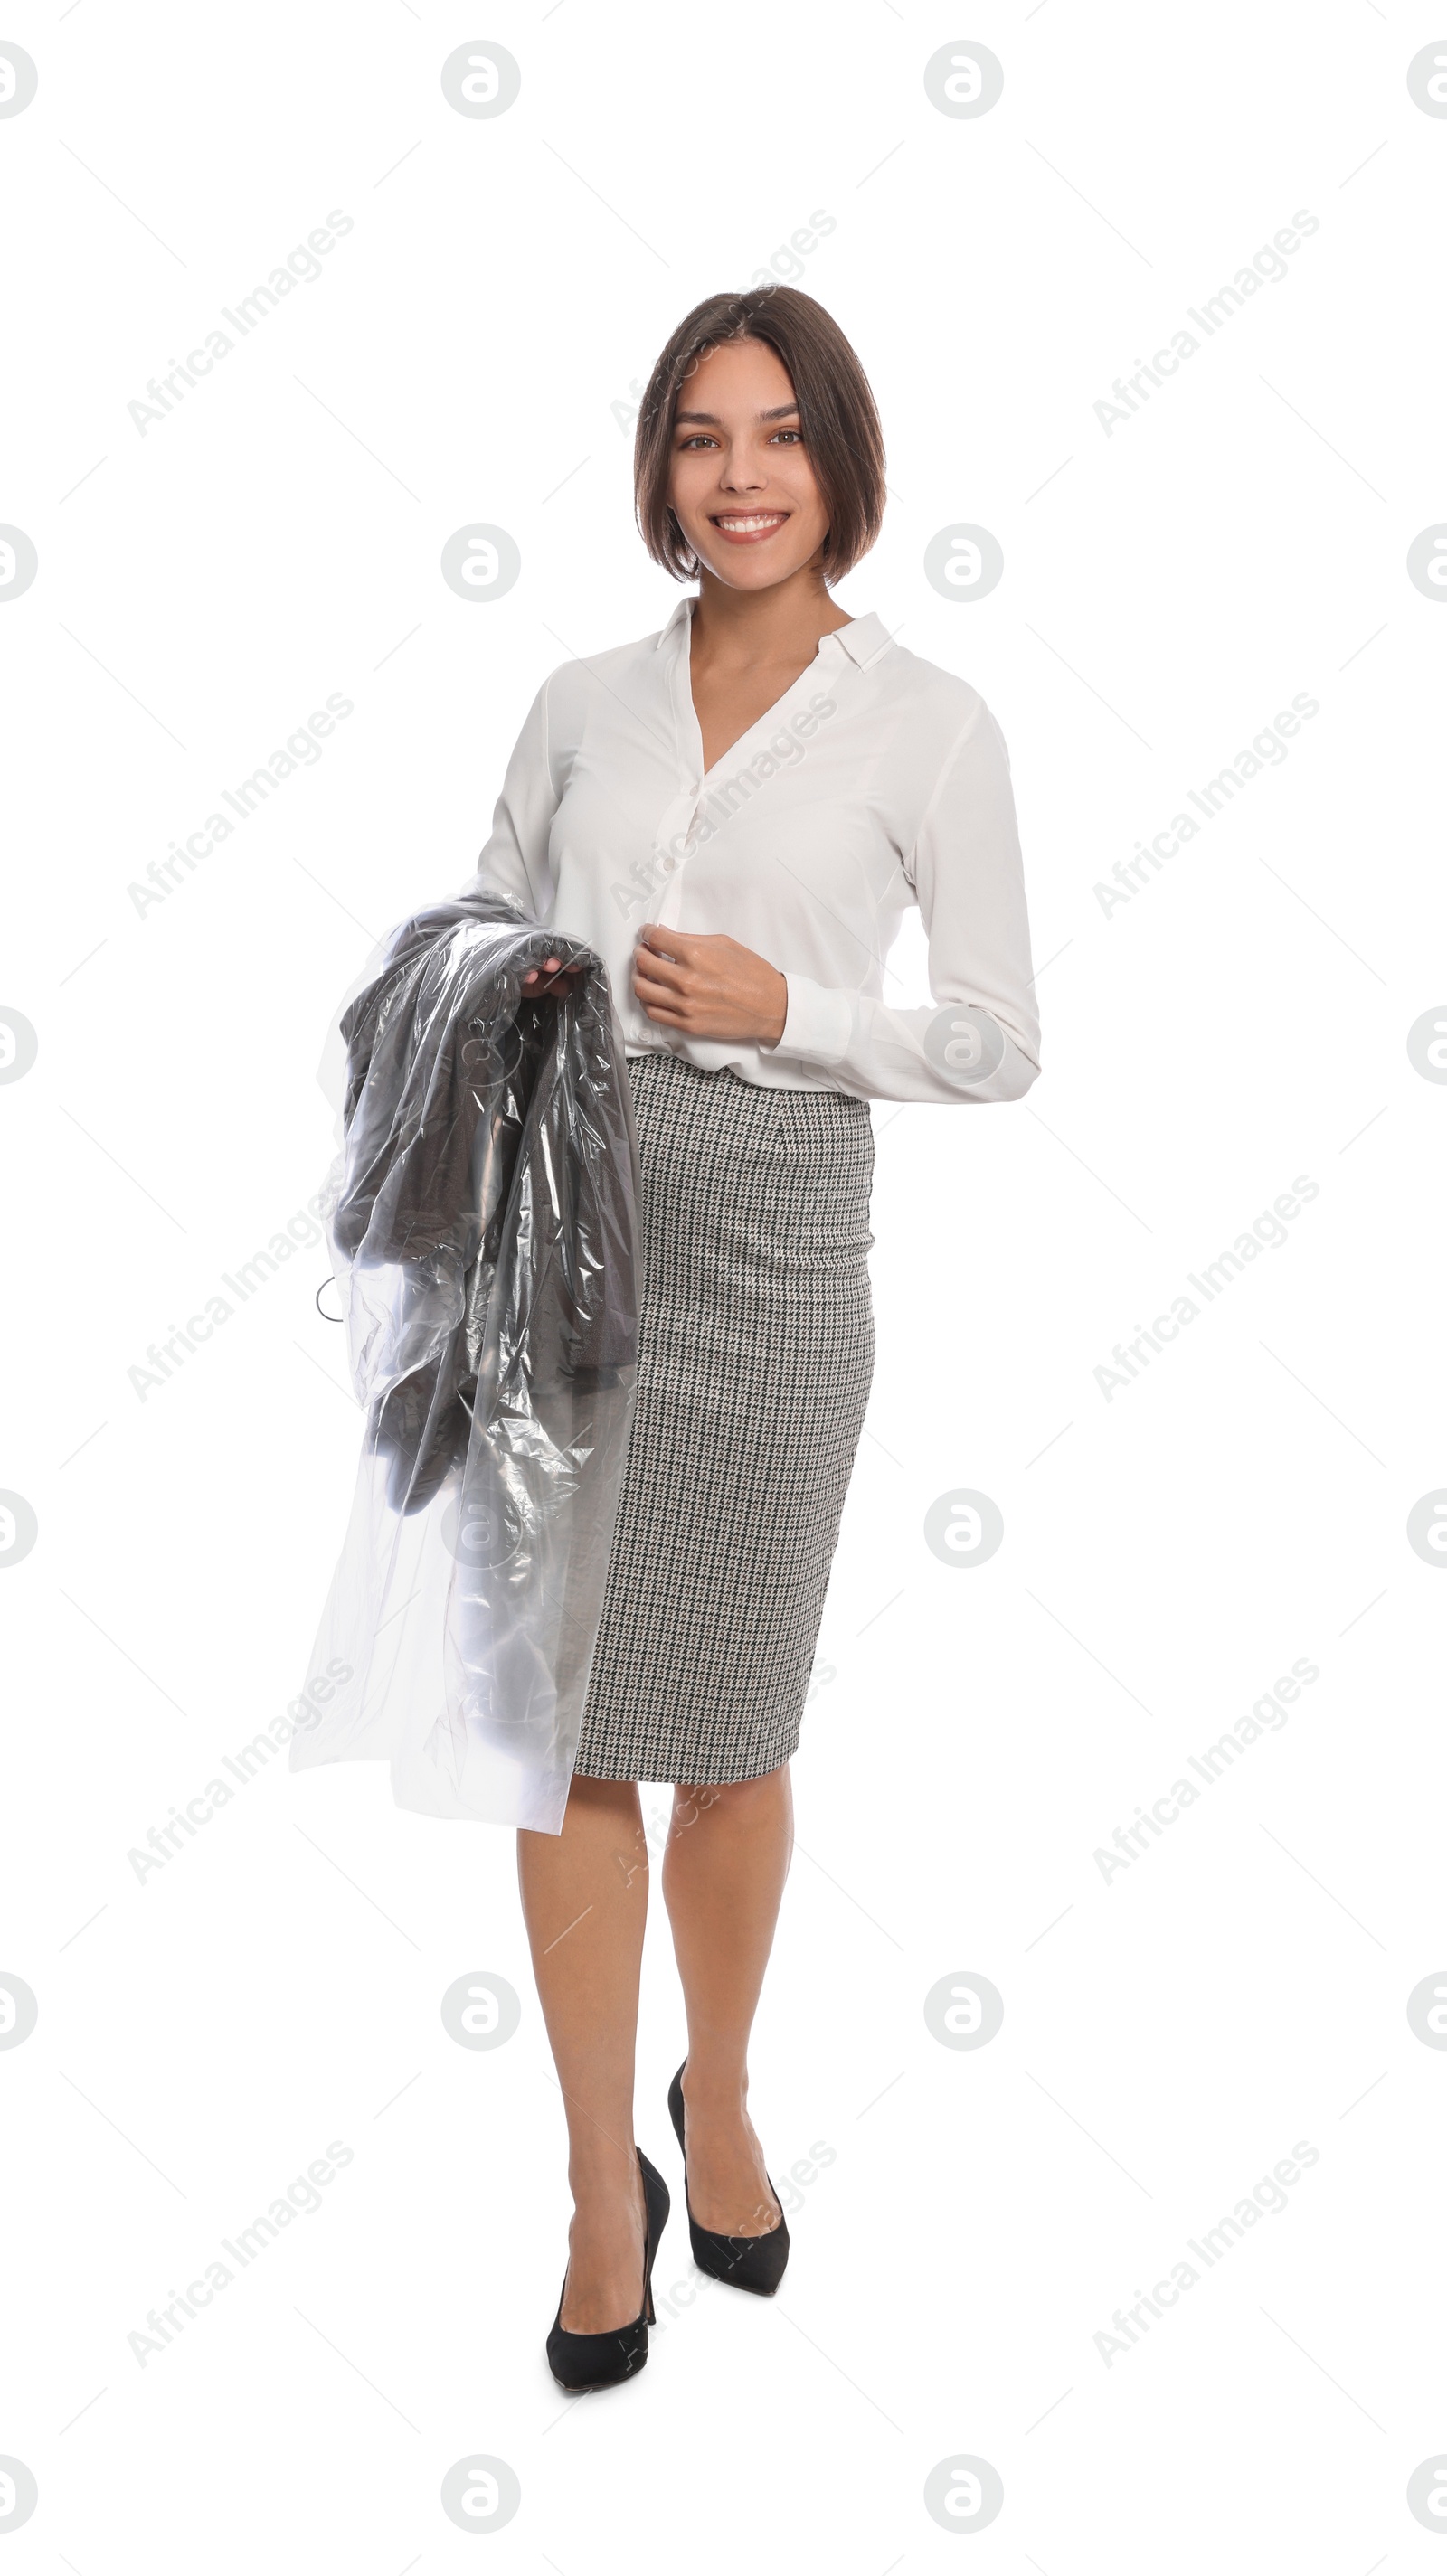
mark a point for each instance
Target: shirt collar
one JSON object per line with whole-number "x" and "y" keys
{"x": 864, "y": 639}
{"x": 681, "y": 615}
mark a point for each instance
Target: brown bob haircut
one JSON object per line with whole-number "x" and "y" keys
{"x": 836, "y": 413}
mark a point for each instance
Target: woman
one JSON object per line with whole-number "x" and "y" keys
{"x": 735, "y": 814}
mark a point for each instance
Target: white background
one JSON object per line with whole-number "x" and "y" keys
{"x": 978, "y": 1731}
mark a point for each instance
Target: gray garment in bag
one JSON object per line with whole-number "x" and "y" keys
{"x": 483, "y": 1242}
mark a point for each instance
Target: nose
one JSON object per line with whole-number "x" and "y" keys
{"x": 741, "y": 472}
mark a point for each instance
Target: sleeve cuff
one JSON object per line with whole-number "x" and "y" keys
{"x": 819, "y": 1022}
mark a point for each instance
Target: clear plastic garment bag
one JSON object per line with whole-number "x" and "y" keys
{"x": 482, "y": 1236}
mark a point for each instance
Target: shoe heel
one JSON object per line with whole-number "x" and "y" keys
{"x": 656, "y": 2206}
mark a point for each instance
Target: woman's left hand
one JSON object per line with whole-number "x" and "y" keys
{"x": 709, "y": 986}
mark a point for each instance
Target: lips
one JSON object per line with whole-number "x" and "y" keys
{"x": 749, "y": 527}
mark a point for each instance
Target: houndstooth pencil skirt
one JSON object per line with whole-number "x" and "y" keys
{"x": 756, "y": 1350}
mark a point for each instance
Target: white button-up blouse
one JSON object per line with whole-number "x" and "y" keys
{"x": 877, "y": 781}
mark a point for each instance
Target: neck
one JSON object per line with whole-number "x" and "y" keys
{"x": 781, "y": 624}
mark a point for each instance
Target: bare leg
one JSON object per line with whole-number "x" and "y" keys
{"x": 585, "y": 1896}
{"x": 723, "y": 1874}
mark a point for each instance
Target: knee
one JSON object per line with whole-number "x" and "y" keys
{"x": 592, "y": 1800}
{"x": 728, "y": 1798}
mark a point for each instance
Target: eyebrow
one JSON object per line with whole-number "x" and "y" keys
{"x": 710, "y": 419}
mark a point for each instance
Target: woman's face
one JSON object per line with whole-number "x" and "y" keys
{"x": 740, "y": 482}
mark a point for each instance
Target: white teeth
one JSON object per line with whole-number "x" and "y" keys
{"x": 742, "y": 527}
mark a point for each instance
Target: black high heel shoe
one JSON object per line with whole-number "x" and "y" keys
{"x": 745, "y": 2262}
{"x": 585, "y": 2361}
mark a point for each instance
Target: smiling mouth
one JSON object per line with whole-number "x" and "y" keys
{"x": 747, "y": 527}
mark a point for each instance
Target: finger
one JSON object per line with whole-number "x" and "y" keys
{"x": 668, "y": 942}
{"x": 683, "y": 943}
{"x": 662, "y": 970}
{"x": 645, "y": 981}
{"x": 651, "y": 989}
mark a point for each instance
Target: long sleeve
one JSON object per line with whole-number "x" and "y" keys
{"x": 980, "y": 1042}
{"x": 514, "y": 860}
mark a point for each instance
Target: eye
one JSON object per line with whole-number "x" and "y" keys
{"x": 696, "y": 438}
{"x": 795, "y": 434}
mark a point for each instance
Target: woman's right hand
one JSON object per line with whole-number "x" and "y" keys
{"x": 551, "y": 977}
